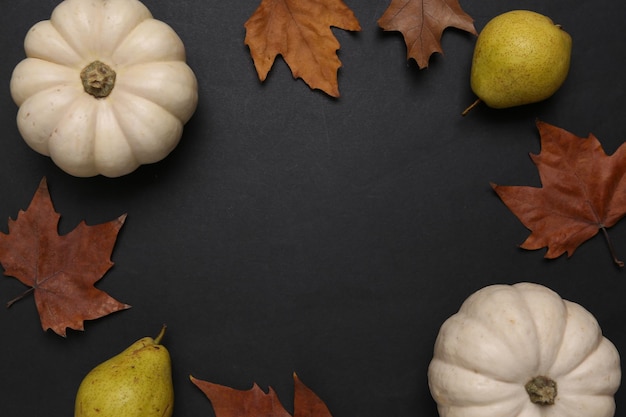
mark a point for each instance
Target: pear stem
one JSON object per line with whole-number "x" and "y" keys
{"x": 157, "y": 340}
{"x": 471, "y": 106}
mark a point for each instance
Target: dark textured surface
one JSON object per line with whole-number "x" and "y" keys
{"x": 294, "y": 232}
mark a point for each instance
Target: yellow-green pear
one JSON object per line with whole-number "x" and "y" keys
{"x": 135, "y": 383}
{"x": 520, "y": 57}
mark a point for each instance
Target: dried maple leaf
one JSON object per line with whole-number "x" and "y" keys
{"x": 422, "y": 23}
{"x": 229, "y": 402}
{"x": 299, "y": 30}
{"x": 584, "y": 191}
{"x": 306, "y": 403}
{"x": 60, "y": 270}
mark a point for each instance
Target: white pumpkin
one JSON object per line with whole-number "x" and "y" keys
{"x": 522, "y": 351}
{"x": 104, "y": 89}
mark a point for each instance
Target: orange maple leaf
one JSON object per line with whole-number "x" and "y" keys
{"x": 299, "y": 30}
{"x": 422, "y": 23}
{"x": 229, "y": 402}
{"x": 584, "y": 191}
{"x": 60, "y": 270}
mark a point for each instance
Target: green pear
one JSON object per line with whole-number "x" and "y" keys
{"x": 135, "y": 383}
{"x": 520, "y": 57}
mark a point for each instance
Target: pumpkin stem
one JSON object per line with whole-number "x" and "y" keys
{"x": 541, "y": 390}
{"x": 98, "y": 79}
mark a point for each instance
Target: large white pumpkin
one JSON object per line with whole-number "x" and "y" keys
{"x": 522, "y": 351}
{"x": 104, "y": 88}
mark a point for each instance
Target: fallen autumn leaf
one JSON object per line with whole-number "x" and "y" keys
{"x": 60, "y": 270}
{"x": 300, "y": 31}
{"x": 229, "y": 402}
{"x": 422, "y": 23}
{"x": 584, "y": 191}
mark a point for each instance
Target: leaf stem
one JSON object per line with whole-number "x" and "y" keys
{"x": 611, "y": 247}
{"x": 19, "y": 297}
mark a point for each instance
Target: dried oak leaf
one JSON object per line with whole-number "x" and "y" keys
{"x": 300, "y": 31}
{"x": 584, "y": 191}
{"x": 229, "y": 402}
{"x": 422, "y": 23}
{"x": 60, "y": 270}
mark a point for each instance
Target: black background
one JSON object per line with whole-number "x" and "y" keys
{"x": 290, "y": 231}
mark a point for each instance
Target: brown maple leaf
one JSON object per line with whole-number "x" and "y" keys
{"x": 60, "y": 270}
{"x": 422, "y": 23}
{"x": 300, "y": 31}
{"x": 229, "y": 402}
{"x": 584, "y": 191}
